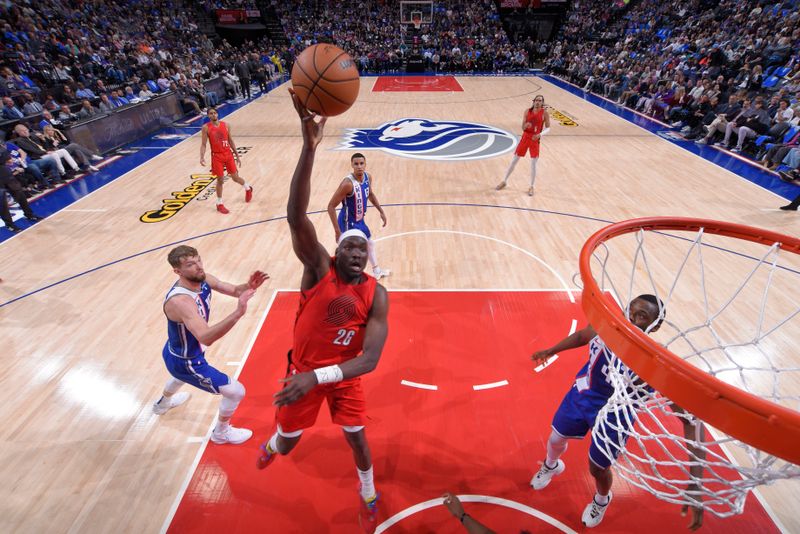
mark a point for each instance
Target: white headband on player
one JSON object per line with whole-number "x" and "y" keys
{"x": 353, "y": 232}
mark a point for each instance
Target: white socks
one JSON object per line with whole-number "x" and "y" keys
{"x": 373, "y": 258}
{"x": 367, "y": 484}
{"x": 556, "y": 445}
{"x": 602, "y": 500}
{"x": 272, "y": 445}
{"x": 514, "y": 161}
{"x": 219, "y": 201}
{"x": 533, "y": 170}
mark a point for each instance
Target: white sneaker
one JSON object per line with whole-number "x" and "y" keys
{"x": 97, "y": 158}
{"x": 543, "y": 477}
{"x": 379, "y": 273}
{"x": 160, "y": 408}
{"x": 231, "y": 435}
{"x": 593, "y": 513}
{"x": 93, "y": 168}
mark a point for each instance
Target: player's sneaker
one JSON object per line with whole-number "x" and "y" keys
{"x": 231, "y": 435}
{"x": 248, "y": 194}
{"x": 266, "y": 457}
{"x": 530, "y": 192}
{"x": 379, "y": 273}
{"x": 543, "y": 477}
{"x": 368, "y": 512}
{"x": 161, "y": 407}
{"x": 222, "y": 209}
{"x": 593, "y": 514}
{"x": 500, "y": 186}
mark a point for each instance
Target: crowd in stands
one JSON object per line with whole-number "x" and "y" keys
{"x": 463, "y": 35}
{"x": 717, "y": 71}
{"x": 70, "y": 61}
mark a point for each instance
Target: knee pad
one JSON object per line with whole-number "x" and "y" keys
{"x": 353, "y": 429}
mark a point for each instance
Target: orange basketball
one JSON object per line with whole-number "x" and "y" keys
{"x": 325, "y": 78}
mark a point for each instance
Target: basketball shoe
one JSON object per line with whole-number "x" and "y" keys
{"x": 248, "y": 194}
{"x": 379, "y": 273}
{"x": 266, "y": 457}
{"x": 222, "y": 209}
{"x": 545, "y": 474}
{"x": 593, "y": 514}
{"x": 161, "y": 407}
{"x": 231, "y": 435}
{"x": 368, "y": 512}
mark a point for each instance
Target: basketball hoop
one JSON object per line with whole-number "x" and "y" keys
{"x": 726, "y": 361}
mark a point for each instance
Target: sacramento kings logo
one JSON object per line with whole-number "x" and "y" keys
{"x": 431, "y": 140}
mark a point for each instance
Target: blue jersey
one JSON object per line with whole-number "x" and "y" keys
{"x": 181, "y": 343}
{"x": 593, "y": 377}
{"x": 354, "y": 206}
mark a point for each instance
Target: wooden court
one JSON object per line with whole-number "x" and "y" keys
{"x": 81, "y": 449}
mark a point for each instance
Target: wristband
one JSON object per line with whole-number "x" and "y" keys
{"x": 544, "y": 131}
{"x": 329, "y": 375}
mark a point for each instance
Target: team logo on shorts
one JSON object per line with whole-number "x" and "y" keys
{"x": 431, "y": 139}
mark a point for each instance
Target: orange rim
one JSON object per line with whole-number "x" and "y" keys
{"x": 762, "y": 424}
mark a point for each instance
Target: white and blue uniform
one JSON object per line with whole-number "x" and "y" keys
{"x": 183, "y": 353}
{"x": 354, "y": 206}
{"x": 578, "y": 411}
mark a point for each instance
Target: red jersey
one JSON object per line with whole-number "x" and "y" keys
{"x": 331, "y": 321}
{"x": 536, "y": 119}
{"x": 218, "y": 138}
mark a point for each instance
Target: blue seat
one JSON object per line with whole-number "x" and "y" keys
{"x": 781, "y": 71}
{"x": 771, "y": 81}
{"x": 153, "y": 86}
{"x": 786, "y": 137}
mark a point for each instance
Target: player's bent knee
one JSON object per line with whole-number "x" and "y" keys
{"x": 234, "y": 391}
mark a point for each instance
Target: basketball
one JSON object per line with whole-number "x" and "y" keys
{"x": 325, "y": 78}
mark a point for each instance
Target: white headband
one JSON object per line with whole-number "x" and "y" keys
{"x": 353, "y": 232}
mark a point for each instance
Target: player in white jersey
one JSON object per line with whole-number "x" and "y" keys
{"x": 580, "y": 407}
{"x": 188, "y": 308}
{"x": 353, "y": 194}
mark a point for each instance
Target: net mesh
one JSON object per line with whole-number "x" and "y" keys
{"x": 742, "y": 333}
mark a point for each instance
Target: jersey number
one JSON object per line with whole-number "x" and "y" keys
{"x": 344, "y": 337}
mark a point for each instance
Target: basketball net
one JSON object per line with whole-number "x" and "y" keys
{"x": 736, "y": 332}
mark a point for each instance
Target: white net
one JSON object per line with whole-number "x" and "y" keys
{"x": 730, "y": 307}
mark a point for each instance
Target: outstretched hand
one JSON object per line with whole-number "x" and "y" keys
{"x": 256, "y": 279}
{"x": 452, "y": 503}
{"x": 312, "y": 130}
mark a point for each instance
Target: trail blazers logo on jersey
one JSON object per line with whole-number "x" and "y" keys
{"x": 340, "y": 310}
{"x": 431, "y": 139}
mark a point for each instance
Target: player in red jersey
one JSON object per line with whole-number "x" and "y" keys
{"x": 223, "y": 155}
{"x": 339, "y": 333}
{"x": 535, "y": 124}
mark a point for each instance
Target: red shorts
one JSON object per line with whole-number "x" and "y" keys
{"x": 220, "y": 162}
{"x": 346, "y": 403}
{"x": 527, "y": 144}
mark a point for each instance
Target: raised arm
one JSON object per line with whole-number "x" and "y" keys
{"x": 578, "y": 339}
{"x": 232, "y": 290}
{"x": 183, "y": 309}
{"x": 304, "y": 237}
{"x": 344, "y": 189}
